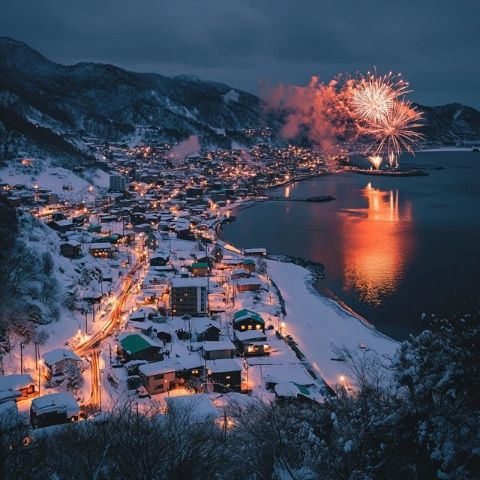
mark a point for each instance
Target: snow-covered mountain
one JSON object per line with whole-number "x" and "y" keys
{"x": 52, "y": 108}
{"x": 55, "y": 105}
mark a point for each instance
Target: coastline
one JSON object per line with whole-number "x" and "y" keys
{"x": 318, "y": 323}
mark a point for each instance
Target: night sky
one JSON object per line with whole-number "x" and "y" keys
{"x": 435, "y": 44}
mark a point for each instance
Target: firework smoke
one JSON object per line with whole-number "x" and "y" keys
{"x": 181, "y": 151}
{"x": 319, "y": 110}
{"x": 368, "y": 106}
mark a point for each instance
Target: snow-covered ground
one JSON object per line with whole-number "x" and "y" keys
{"x": 318, "y": 323}
{"x": 59, "y": 180}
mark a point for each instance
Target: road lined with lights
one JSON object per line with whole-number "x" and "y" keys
{"x": 108, "y": 328}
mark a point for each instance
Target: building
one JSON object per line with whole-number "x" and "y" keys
{"x": 205, "y": 331}
{"x": 188, "y": 296}
{"x": 135, "y": 346}
{"x": 225, "y": 375}
{"x": 53, "y": 409}
{"x": 200, "y": 269}
{"x": 57, "y": 360}
{"x": 118, "y": 183}
{"x": 159, "y": 377}
{"x": 16, "y": 387}
{"x": 61, "y": 226}
{"x": 252, "y": 342}
{"x": 248, "y": 320}
{"x": 248, "y": 284}
{"x": 102, "y": 250}
{"x": 71, "y": 249}
{"x": 218, "y": 350}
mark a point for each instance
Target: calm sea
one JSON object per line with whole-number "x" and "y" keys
{"x": 392, "y": 248}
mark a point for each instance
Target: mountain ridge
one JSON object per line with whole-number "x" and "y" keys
{"x": 110, "y": 103}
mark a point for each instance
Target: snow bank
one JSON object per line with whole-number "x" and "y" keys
{"x": 317, "y": 324}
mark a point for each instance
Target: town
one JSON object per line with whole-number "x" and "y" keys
{"x": 166, "y": 308}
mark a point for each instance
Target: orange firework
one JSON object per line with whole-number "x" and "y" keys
{"x": 396, "y": 131}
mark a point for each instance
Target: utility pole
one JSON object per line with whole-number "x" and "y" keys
{"x": 36, "y": 354}
{"x": 21, "y": 358}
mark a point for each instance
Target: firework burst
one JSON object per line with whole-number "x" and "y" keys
{"x": 396, "y": 131}
{"x": 372, "y": 96}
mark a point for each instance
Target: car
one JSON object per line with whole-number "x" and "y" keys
{"x": 186, "y": 317}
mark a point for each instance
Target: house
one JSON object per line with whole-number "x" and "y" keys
{"x": 248, "y": 284}
{"x": 200, "y": 269}
{"x": 239, "y": 273}
{"x": 53, "y": 409}
{"x": 193, "y": 366}
{"x": 188, "y": 296}
{"x": 248, "y": 320}
{"x": 136, "y": 346}
{"x": 291, "y": 391}
{"x": 297, "y": 374}
{"x": 61, "y": 226}
{"x": 19, "y": 387}
{"x": 71, "y": 249}
{"x": 58, "y": 359}
{"x": 249, "y": 265}
{"x": 102, "y": 250}
{"x": 252, "y": 342}
{"x": 225, "y": 374}
{"x": 218, "y": 350}
{"x": 159, "y": 259}
{"x": 205, "y": 331}
{"x": 159, "y": 377}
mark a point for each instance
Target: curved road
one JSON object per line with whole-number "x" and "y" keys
{"x": 114, "y": 319}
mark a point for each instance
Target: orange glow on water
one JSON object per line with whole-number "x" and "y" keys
{"x": 376, "y": 245}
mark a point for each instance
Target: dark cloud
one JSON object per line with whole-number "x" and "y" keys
{"x": 434, "y": 43}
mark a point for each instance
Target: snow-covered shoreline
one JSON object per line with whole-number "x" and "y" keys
{"x": 318, "y": 324}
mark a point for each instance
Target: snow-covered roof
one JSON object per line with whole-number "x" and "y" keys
{"x": 201, "y": 325}
{"x": 199, "y": 406}
{"x": 211, "y": 346}
{"x": 250, "y": 335}
{"x": 72, "y": 243}
{"x": 224, "y": 365}
{"x": 15, "y": 382}
{"x": 156, "y": 368}
{"x": 64, "y": 223}
{"x": 56, "y": 402}
{"x": 59, "y": 354}
{"x": 288, "y": 373}
{"x": 101, "y": 245}
{"x": 188, "y": 362}
{"x": 248, "y": 281}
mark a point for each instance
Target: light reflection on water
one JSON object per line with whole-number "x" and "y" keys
{"x": 375, "y": 250}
